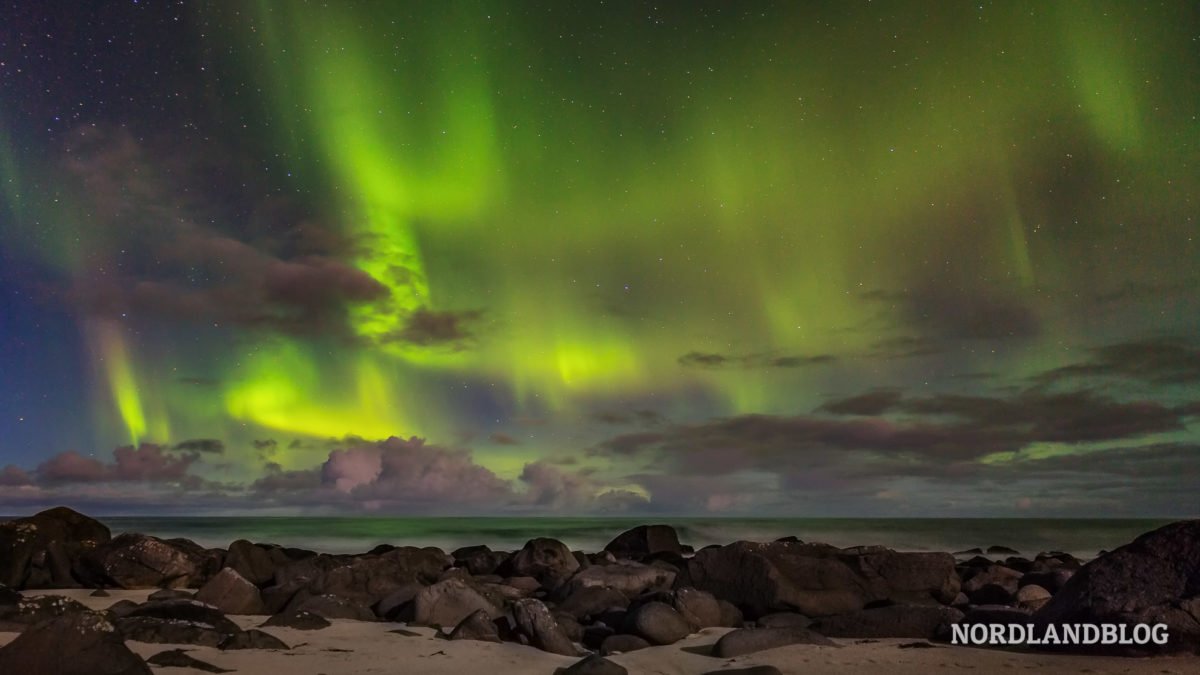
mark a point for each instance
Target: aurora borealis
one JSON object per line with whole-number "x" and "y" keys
{"x": 777, "y": 258}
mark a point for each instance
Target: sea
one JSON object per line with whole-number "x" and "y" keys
{"x": 1084, "y": 538}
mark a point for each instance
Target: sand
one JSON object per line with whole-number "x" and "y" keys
{"x": 353, "y": 647}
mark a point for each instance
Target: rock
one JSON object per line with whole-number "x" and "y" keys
{"x": 970, "y": 551}
{"x": 231, "y": 593}
{"x": 177, "y": 658}
{"x": 1005, "y": 579}
{"x": 1032, "y": 596}
{"x": 527, "y": 585}
{"x": 630, "y": 578}
{"x": 252, "y": 639}
{"x": 895, "y": 621}
{"x": 534, "y": 620}
{"x": 331, "y": 607}
{"x": 479, "y": 560}
{"x": 447, "y": 603}
{"x": 658, "y": 623}
{"x": 251, "y": 561}
{"x": 752, "y": 670}
{"x": 141, "y": 561}
{"x": 29, "y": 611}
{"x": 731, "y": 616}
{"x": 300, "y": 620}
{"x": 570, "y": 627}
{"x": 591, "y": 601}
{"x": 477, "y": 626}
{"x": 698, "y": 608}
{"x": 1052, "y": 580}
{"x": 1001, "y": 550}
{"x": 547, "y": 560}
{"x": 750, "y": 640}
{"x": 1146, "y": 580}
{"x": 991, "y": 594}
{"x": 592, "y": 665}
{"x": 121, "y": 608}
{"x": 170, "y": 594}
{"x": 595, "y": 635}
{"x": 391, "y": 606}
{"x": 643, "y": 541}
{"x": 76, "y": 643}
{"x": 995, "y": 614}
{"x": 8, "y": 596}
{"x": 621, "y": 644}
{"x": 39, "y": 551}
{"x": 99, "y": 593}
{"x": 176, "y": 622}
{"x": 819, "y": 580}
{"x": 783, "y": 620}
{"x": 363, "y": 579}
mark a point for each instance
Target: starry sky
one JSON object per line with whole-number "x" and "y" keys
{"x": 769, "y": 258}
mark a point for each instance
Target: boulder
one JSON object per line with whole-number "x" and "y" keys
{"x": 992, "y": 585}
{"x": 40, "y": 551}
{"x": 76, "y": 643}
{"x": 300, "y": 620}
{"x": 1002, "y": 550}
{"x": 621, "y": 644}
{"x": 643, "y": 541}
{"x": 447, "y": 603}
{"x": 477, "y": 626}
{"x": 820, "y": 580}
{"x": 547, "y": 560}
{"x": 1145, "y": 581}
{"x": 32, "y": 610}
{"x": 170, "y": 594}
{"x": 894, "y": 621}
{"x": 252, "y": 639}
{"x": 592, "y": 665}
{"x": 251, "y": 561}
{"x": 140, "y": 561}
{"x": 783, "y": 620}
{"x": 177, "y": 658}
{"x": 479, "y": 560}
{"x": 365, "y": 579}
{"x": 751, "y": 670}
{"x": 750, "y": 640}
{"x": 1032, "y": 596}
{"x": 176, "y": 622}
{"x": 393, "y": 604}
{"x": 996, "y": 614}
{"x": 534, "y": 621}
{"x": 630, "y": 578}
{"x": 657, "y": 623}
{"x": 330, "y": 607}
{"x": 699, "y": 608}
{"x": 231, "y": 593}
{"x": 731, "y": 616}
{"x": 590, "y": 601}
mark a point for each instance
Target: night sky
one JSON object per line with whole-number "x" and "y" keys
{"x": 813, "y": 259}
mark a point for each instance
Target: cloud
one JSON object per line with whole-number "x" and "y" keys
{"x": 870, "y": 403}
{"x": 426, "y": 327}
{"x": 1163, "y": 362}
{"x": 14, "y": 476}
{"x": 209, "y": 445}
{"x": 941, "y": 311}
{"x": 714, "y": 360}
{"x": 147, "y": 462}
{"x": 501, "y": 438}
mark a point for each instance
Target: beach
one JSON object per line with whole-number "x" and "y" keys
{"x": 645, "y": 603}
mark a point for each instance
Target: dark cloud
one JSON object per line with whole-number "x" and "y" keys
{"x": 1163, "y": 362}
{"x": 871, "y": 403}
{"x": 147, "y": 462}
{"x": 713, "y": 360}
{"x": 265, "y": 444}
{"x": 209, "y": 445}
{"x": 502, "y": 438}
{"x": 426, "y": 327}
{"x": 14, "y": 476}
{"x": 644, "y": 417}
{"x": 943, "y": 311}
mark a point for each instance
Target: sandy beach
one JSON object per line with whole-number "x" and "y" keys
{"x": 363, "y": 648}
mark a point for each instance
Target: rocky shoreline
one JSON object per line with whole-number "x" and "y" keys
{"x": 646, "y": 590}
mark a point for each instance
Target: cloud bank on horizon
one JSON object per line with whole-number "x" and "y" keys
{"x": 478, "y": 258}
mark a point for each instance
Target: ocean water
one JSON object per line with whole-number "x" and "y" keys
{"x": 1081, "y": 537}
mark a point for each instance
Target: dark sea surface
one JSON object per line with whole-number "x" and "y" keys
{"x": 1081, "y": 537}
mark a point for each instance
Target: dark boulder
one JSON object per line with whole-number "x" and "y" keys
{"x": 447, "y": 603}
{"x": 751, "y": 670}
{"x": 699, "y": 608}
{"x": 140, "y": 561}
{"x": 1149, "y": 580}
{"x": 996, "y": 614}
{"x": 621, "y": 644}
{"x": 750, "y": 640}
{"x": 895, "y": 621}
{"x": 645, "y": 540}
{"x": 547, "y": 560}
{"x": 330, "y": 607}
{"x": 177, "y": 658}
{"x": 252, "y": 639}
{"x": 40, "y": 551}
{"x": 176, "y": 622}
{"x": 657, "y": 623}
{"x": 819, "y": 580}
{"x": 231, "y": 593}
{"x": 630, "y": 578}
{"x": 301, "y": 620}
{"x": 31, "y": 610}
{"x": 591, "y": 601}
{"x": 477, "y": 626}
{"x": 592, "y": 665}
{"x": 1002, "y": 550}
{"x": 783, "y": 620}
{"x": 76, "y": 643}
{"x": 170, "y": 594}
{"x": 479, "y": 560}
{"x": 252, "y": 561}
{"x": 534, "y": 621}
